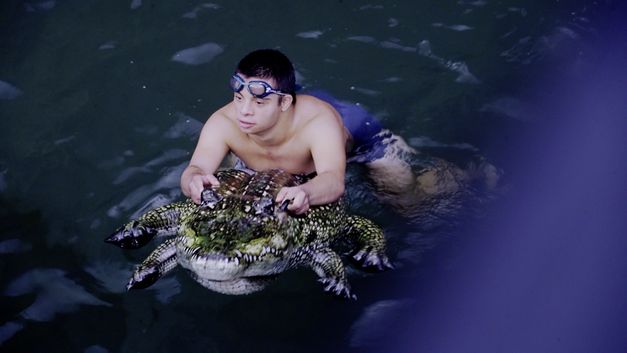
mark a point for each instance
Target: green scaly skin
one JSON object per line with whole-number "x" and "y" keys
{"x": 239, "y": 239}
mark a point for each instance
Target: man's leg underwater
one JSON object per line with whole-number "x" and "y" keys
{"x": 391, "y": 165}
{"x": 386, "y": 155}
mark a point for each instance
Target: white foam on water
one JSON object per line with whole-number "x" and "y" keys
{"x": 366, "y": 91}
{"x": 393, "y": 45}
{"x": 363, "y": 39}
{"x": 310, "y": 34}
{"x": 64, "y": 140}
{"x": 201, "y": 54}
{"x": 108, "y": 45}
{"x": 460, "y": 28}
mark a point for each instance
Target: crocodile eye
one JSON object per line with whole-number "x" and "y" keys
{"x": 209, "y": 198}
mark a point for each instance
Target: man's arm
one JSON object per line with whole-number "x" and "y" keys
{"x": 208, "y": 155}
{"x": 325, "y": 136}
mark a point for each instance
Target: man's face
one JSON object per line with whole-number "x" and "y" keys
{"x": 255, "y": 115}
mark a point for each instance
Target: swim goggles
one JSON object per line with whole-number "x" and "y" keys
{"x": 258, "y": 89}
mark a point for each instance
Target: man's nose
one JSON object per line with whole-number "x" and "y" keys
{"x": 247, "y": 107}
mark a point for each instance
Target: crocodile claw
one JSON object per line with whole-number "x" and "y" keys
{"x": 131, "y": 236}
{"x": 338, "y": 287}
{"x": 143, "y": 277}
{"x": 369, "y": 258}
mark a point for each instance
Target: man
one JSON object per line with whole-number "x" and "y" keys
{"x": 267, "y": 126}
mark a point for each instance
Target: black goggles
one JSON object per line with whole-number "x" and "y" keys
{"x": 258, "y": 89}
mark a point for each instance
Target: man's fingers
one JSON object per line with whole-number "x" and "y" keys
{"x": 210, "y": 179}
{"x": 280, "y": 196}
{"x": 300, "y": 203}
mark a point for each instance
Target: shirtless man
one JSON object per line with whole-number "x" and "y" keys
{"x": 267, "y": 126}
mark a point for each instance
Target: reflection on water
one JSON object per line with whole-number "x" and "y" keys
{"x": 101, "y": 104}
{"x": 8, "y": 91}
{"x": 55, "y": 294}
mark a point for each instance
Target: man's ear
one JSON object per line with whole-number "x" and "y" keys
{"x": 285, "y": 102}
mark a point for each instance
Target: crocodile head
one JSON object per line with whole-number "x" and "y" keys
{"x": 234, "y": 237}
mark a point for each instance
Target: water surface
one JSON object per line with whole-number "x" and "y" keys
{"x": 101, "y": 104}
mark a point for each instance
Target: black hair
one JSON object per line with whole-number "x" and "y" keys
{"x": 270, "y": 63}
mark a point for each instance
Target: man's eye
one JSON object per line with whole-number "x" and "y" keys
{"x": 260, "y": 102}
{"x": 238, "y": 97}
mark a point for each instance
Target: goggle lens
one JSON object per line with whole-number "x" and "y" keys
{"x": 257, "y": 89}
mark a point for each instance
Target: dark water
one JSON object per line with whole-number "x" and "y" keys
{"x": 101, "y": 103}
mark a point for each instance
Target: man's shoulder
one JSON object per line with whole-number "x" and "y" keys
{"x": 222, "y": 116}
{"x": 313, "y": 109}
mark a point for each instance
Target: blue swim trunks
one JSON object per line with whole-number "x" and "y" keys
{"x": 368, "y": 135}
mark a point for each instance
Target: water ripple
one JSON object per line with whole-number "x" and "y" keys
{"x": 194, "y": 13}
{"x": 465, "y": 76}
{"x": 40, "y": 6}
{"x": 135, "y": 4}
{"x": 201, "y": 54}
{"x": 375, "y": 322}
{"x": 14, "y": 246}
{"x": 8, "y": 91}
{"x": 185, "y": 126}
{"x": 55, "y": 294}
{"x": 310, "y": 34}
{"x": 458, "y": 28}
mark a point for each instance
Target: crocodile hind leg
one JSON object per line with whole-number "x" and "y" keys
{"x": 329, "y": 267}
{"x": 161, "y": 261}
{"x": 162, "y": 221}
{"x": 370, "y": 243}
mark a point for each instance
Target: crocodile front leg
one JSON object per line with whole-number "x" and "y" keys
{"x": 161, "y": 261}
{"x": 370, "y": 243}
{"x": 162, "y": 221}
{"x": 329, "y": 267}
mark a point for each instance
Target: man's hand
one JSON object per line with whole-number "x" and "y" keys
{"x": 197, "y": 185}
{"x": 298, "y": 196}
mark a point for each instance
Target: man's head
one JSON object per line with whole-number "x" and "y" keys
{"x": 270, "y": 64}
